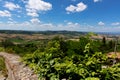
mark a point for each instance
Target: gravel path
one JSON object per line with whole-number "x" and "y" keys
{"x": 16, "y": 69}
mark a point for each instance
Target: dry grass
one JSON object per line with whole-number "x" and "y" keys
{"x": 3, "y": 67}
{"x": 4, "y": 36}
{"x": 114, "y": 55}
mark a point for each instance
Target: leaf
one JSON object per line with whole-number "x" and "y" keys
{"x": 92, "y": 78}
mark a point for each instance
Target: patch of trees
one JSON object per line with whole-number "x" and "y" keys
{"x": 20, "y": 49}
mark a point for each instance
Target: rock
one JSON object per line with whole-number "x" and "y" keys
{"x": 2, "y": 77}
{"x": 16, "y": 69}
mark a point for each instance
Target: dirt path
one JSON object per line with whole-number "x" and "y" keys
{"x": 16, "y": 69}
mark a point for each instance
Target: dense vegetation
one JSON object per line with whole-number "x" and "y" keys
{"x": 73, "y": 60}
{"x": 58, "y": 59}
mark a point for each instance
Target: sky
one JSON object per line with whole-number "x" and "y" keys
{"x": 55, "y": 15}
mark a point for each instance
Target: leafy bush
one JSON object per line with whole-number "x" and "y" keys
{"x": 73, "y": 63}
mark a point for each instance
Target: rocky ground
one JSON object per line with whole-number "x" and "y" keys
{"x": 16, "y": 69}
{"x": 2, "y": 77}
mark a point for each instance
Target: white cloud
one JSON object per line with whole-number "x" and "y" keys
{"x": 33, "y": 14}
{"x": 115, "y": 24}
{"x": 101, "y": 23}
{"x": 11, "y": 6}
{"x": 10, "y": 19}
{"x": 81, "y": 7}
{"x": 97, "y": 0}
{"x": 35, "y": 20}
{"x": 71, "y": 8}
{"x": 39, "y": 5}
{"x": 34, "y": 6}
{"x": 39, "y": 27}
{"x": 70, "y": 26}
{"x": 73, "y": 24}
{"x": 11, "y": 22}
{"x": 69, "y": 23}
{"x": 78, "y": 8}
{"x": 5, "y": 13}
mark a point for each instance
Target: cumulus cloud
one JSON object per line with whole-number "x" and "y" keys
{"x": 35, "y": 20}
{"x": 115, "y": 24}
{"x": 39, "y": 27}
{"x": 33, "y": 14}
{"x": 11, "y": 6}
{"x": 101, "y": 23}
{"x": 5, "y": 13}
{"x": 71, "y": 8}
{"x": 78, "y": 8}
{"x": 39, "y": 5}
{"x": 70, "y": 26}
{"x": 34, "y": 6}
{"x": 97, "y": 0}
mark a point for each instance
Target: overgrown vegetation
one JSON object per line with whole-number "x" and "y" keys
{"x": 73, "y": 60}
{"x": 58, "y": 59}
{"x": 23, "y": 47}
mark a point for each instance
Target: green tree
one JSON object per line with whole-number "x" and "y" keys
{"x": 7, "y": 43}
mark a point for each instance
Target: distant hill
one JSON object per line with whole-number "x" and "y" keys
{"x": 108, "y": 33}
{"x": 42, "y": 32}
{"x": 64, "y": 32}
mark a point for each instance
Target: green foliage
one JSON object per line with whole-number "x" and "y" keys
{"x": 2, "y": 49}
{"x": 21, "y": 49}
{"x": 6, "y": 43}
{"x": 91, "y": 34}
{"x": 106, "y": 46}
{"x": 92, "y": 78}
{"x": 73, "y": 60}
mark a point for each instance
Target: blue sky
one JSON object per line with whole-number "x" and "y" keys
{"x": 72, "y": 15}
